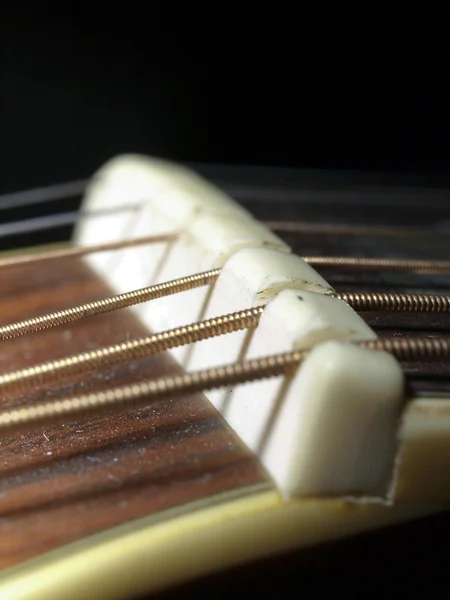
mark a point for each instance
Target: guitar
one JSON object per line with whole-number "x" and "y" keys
{"x": 134, "y": 462}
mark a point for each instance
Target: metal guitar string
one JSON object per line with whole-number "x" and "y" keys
{"x": 137, "y": 348}
{"x": 109, "y": 304}
{"x": 135, "y": 395}
{"x": 309, "y": 227}
{"x": 59, "y": 219}
{"x": 424, "y": 267}
{"x": 362, "y": 301}
{"x": 130, "y": 349}
{"x": 404, "y": 349}
{"x": 59, "y": 191}
{"x": 76, "y": 251}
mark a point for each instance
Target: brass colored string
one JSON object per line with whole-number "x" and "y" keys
{"x": 389, "y": 301}
{"x": 107, "y": 305}
{"x": 143, "y": 393}
{"x": 343, "y": 229}
{"x": 425, "y": 267}
{"x": 366, "y": 301}
{"x": 76, "y": 251}
{"x": 412, "y": 349}
{"x": 129, "y": 350}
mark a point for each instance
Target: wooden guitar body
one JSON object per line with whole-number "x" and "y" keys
{"x": 116, "y": 506}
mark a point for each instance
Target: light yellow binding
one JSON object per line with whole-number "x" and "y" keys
{"x": 154, "y": 553}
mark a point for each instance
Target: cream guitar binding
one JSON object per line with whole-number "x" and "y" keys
{"x": 344, "y": 448}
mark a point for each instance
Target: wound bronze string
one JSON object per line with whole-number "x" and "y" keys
{"x": 424, "y": 267}
{"x": 110, "y": 304}
{"x": 76, "y": 251}
{"x": 142, "y": 393}
{"x": 129, "y": 350}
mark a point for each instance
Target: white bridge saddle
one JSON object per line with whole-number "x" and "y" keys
{"x": 340, "y": 427}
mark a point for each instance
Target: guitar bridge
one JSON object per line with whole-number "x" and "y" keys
{"x": 340, "y": 424}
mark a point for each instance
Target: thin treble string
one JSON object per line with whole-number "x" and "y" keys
{"x": 59, "y": 219}
{"x": 40, "y": 195}
{"x": 76, "y": 251}
{"x": 38, "y": 223}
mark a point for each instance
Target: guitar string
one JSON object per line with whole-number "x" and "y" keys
{"x": 76, "y": 251}
{"x": 50, "y": 193}
{"x": 423, "y": 267}
{"x": 391, "y": 264}
{"x": 247, "y": 318}
{"x": 73, "y": 189}
{"x": 391, "y": 301}
{"x": 354, "y": 229}
{"x": 362, "y": 301}
{"x": 367, "y": 301}
{"x": 106, "y": 305}
{"x": 142, "y": 393}
{"x": 76, "y": 364}
{"x": 35, "y": 224}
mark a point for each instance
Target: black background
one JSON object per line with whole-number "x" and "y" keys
{"x": 363, "y": 90}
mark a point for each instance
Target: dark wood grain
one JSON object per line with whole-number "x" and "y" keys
{"x": 61, "y": 483}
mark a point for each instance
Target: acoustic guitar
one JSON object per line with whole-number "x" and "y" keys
{"x": 194, "y": 384}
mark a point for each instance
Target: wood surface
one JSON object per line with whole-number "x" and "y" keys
{"x": 61, "y": 483}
